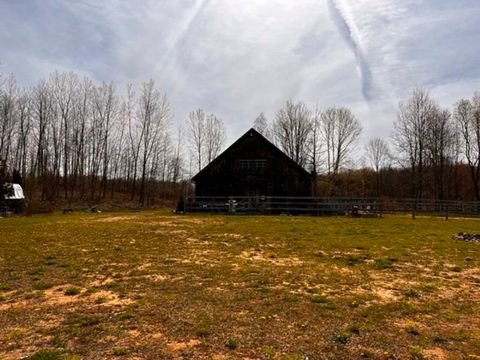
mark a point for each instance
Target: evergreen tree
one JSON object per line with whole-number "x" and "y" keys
{"x": 3, "y": 179}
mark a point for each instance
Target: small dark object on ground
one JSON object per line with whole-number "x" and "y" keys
{"x": 67, "y": 211}
{"x": 467, "y": 237}
{"x": 368, "y": 212}
{"x": 180, "y": 206}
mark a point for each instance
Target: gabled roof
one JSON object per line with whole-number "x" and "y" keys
{"x": 250, "y": 132}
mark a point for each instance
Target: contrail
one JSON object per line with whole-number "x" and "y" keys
{"x": 184, "y": 29}
{"x": 347, "y": 33}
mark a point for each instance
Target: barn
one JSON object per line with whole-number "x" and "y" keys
{"x": 253, "y": 166}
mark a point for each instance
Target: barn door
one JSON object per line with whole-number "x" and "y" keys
{"x": 253, "y": 196}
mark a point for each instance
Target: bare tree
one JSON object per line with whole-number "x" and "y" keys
{"x": 177, "y": 159}
{"x": 262, "y": 125}
{"x": 292, "y": 129}
{"x": 80, "y": 143}
{"x": 215, "y": 137}
{"x": 377, "y": 155}
{"x": 315, "y": 146}
{"x": 196, "y": 132}
{"x": 42, "y": 113}
{"x": 154, "y": 111}
{"x": 76, "y": 134}
{"x": 135, "y": 136}
{"x": 411, "y": 133}
{"x": 24, "y": 125}
{"x": 7, "y": 116}
{"x": 105, "y": 103}
{"x": 340, "y": 130}
{"x": 118, "y": 146}
{"x": 440, "y": 139}
{"x": 467, "y": 117}
{"x": 63, "y": 87}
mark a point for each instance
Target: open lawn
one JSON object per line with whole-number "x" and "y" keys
{"x": 154, "y": 285}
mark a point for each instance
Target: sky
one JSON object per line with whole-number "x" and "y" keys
{"x": 237, "y": 58}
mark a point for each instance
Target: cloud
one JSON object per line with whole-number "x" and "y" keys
{"x": 349, "y": 32}
{"x": 239, "y": 58}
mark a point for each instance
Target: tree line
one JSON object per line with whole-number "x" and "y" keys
{"x": 69, "y": 138}
{"x": 434, "y": 150}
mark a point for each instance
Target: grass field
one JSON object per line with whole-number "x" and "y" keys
{"x": 154, "y": 285}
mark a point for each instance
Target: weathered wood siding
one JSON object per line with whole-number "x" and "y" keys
{"x": 253, "y": 166}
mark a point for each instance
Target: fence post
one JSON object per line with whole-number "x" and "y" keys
{"x": 414, "y": 209}
{"x": 446, "y": 210}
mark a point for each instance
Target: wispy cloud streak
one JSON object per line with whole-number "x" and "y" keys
{"x": 184, "y": 29}
{"x": 346, "y": 29}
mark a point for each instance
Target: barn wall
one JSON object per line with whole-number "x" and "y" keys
{"x": 239, "y": 172}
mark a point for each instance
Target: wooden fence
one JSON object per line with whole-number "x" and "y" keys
{"x": 327, "y": 206}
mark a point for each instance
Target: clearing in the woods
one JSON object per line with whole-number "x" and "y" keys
{"x": 153, "y": 285}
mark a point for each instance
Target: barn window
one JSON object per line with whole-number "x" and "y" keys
{"x": 253, "y": 165}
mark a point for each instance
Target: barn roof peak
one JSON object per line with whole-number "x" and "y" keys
{"x": 250, "y": 132}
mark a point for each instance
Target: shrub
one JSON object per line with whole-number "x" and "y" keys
{"x": 354, "y": 330}
{"x": 35, "y": 271}
{"x": 202, "y": 331}
{"x": 46, "y": 355}
{"x": 380, "y": 264}
{"x": 412, "y": 330}
{"x": 231, "y": 344}
{"x": 342, "y": 338}
{"x": 42, "y": 285}
{"x": 319, "y": 299}
{"x": 126, "y": 315}
{"x": 50, "y": 260}
{"x": 457, "y": 268}
{"x": 119, "y": 352}
{"x": 82, "y": 320}
{"x": 72, "y": 291}
{"x": 5, "y": 287}
{"x": 411, "y": 293}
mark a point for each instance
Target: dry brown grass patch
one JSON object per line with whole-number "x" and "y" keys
{"x": 179, "y": 346}
{"x": 116, "y": 218}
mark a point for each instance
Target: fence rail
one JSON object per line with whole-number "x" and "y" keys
{"x": 327, "y": 206}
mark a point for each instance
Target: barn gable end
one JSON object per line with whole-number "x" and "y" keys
{"x": 253, "y": 166}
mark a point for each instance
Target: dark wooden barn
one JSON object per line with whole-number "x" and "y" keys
{"x": 253, "y": 166}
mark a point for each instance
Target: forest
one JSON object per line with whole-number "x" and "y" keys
{"x": 69, "y": 139}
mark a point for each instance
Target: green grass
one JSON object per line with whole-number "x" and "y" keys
{"x": 72, "y": 291}
{"x": 270, "y": 287}
{"x": 119, "y": 352}
{"x": 231, "y": 344}
{"x": 46, "y": 355}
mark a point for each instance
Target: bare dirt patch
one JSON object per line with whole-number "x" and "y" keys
{"x": 179, "y": 346}
{"x": 56, "y": 296}
{"x": 109, "y": 298}
{"x": 156, "y": 277}
{"x": 102, "y": 281}
{"x": 232, "y": 235}
{"x": 434, "y": 354}
{"x": 116, "y": 218}
{"x": 178, "y": 232}
{"x": 260, "y": 256}
{"x": 50, "y": 323}
{"x": 250, "y": 287}
{"x": 144, "y": 266}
